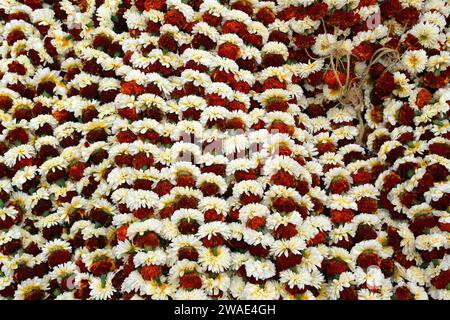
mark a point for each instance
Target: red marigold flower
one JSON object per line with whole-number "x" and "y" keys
{"x": 102, "y": 266}
{"x": 320, "y": 237}
{"x": 143, "y": 213}
{"x": 265, "y": 15}
{"x": 406, "y": 115}
{"x": 343, "y": 19}
{"x": 256, "y": 222}
{"x": 304, "y": 41}
{"x": 159, "y": 5}
{"x": 421, "y": 223}
{"x": 334, "y": 267}
{"x": 341, "y": 216}
{"x": 188, "y": 227}
{"x": 365, "y": 232}
{"x": 317, "y": 10}
{"x": 188, "y": 253}
{"x": 190, "y": 281}
{"x": 366, "y": 260}
{"x": 259, "y": 251}
{"x": 166, "y": 41}
{"x": 423, "y": 98}
{"x": 272, "y": 60}
{"x": 339, "y": 185}
{"x": 434, "y": 254}
{"x": 390, "y": 8}
{"x": 403, "y": 293}
{"x": 285, "y": 232}
{"x": 391, "y": 180}
{"x": 244, "y": 6}
{"x": 211, "y": 19}
{"x": 283, "y": 262}
{"x": 122, "y": 233}
{"x": 229, "y": 50}
{"x": 176, "y": 18}
{"x": 278, "y": 105}
{"x": 407, "y": 16}
{"x": 150, "y": 239}
{"x": 284, "y": 204}
{"x": 362, "y": 176}
{"x": 213, "y": 241}
{"x": 367, "y": 205}
{"x": 212, "y": 215}
{"x": 141, "y": 160}
{"x": 323, "y": 147}
{"x": 150, "y": 272}
{"x": 442, "y": 280}
{"x": 407, "y": 199}
{"x": 384, "y": 85}
{"x": 284, "y": 178}
{"x": 363, "y": 51}
{"x": 442, "y": 149}
{"x": 76, "y": 171}
{"x": 58, "y": 257}
{"x": 232, "y": 26}
{"x": 83, "y": 290}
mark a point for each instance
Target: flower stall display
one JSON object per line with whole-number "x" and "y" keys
{"x": 225, "y": 149}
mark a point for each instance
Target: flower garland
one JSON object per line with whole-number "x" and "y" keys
{"x": 234, "y": 149}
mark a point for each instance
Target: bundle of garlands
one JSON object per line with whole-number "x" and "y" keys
{"x": 234, "y": 149}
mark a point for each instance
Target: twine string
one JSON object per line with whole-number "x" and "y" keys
{"x": 352, "y": 92}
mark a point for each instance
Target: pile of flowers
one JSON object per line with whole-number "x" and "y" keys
{"x": 234, "y": 149}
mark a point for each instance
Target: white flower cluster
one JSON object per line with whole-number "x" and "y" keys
{"x": 241, "y": 149}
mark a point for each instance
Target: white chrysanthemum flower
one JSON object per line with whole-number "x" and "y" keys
{"x": 414, "y": 61}
{"x": 427, "y": 34}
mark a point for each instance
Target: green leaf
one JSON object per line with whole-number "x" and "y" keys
{"x": 46, "y": 94}
{"x": 145, "y": 167}
{"x": 69, "y": 37}
{"x": 32, "y": 190}
{"x": 17, "y": 143}
{"x": 103, "y": 279}
{"x": 115, "y": 18}
{"x": 61, "y": 182}
{"x": 100, "y": 48}
{"x": 410, "y": 144}
{"x": 214, "y": 250}
{"x": 439, "y": 123}
{"x": 2, "y": 203}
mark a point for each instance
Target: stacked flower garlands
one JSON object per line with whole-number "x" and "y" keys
{"x": 236, "y": 149}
